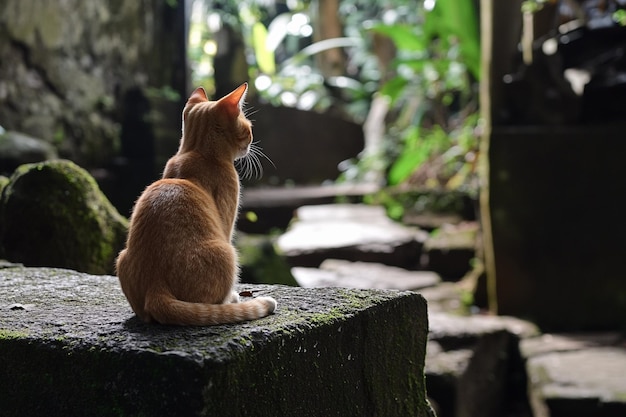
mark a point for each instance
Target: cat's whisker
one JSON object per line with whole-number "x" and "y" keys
{"x": 256, "y": 149}
{"x": 250, "y": 165}
{"x": 258, "y": 166}
{"x": 250, "y": 173}
{"x": 247, "y": 166}
{"x": 250, "y": 111}
{"x": 255, "y": 168}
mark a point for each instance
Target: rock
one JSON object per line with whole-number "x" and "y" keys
{"x": 260, "y": 263}
{"x": 473, "y": 366}
{"x": 576, "y": 374}
{"x": 345, "y": 274}
{"x": 447, "y": 297}
{"x": 53, "y": 214}
{"x": 17, "y": 149}
{"x": 64, "y": 70}
{"x": 82, "y": 351}
{"x": 450, "y": 249}
{"x": 354, "y": 232}
{"x": 273, "y": 207}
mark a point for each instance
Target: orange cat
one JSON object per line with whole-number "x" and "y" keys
{"x": 179, "y": 266}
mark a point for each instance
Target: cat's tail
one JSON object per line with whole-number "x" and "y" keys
{"x": 166, "y": 309}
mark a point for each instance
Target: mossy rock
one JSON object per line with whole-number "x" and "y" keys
{"x": 53, "y": 214}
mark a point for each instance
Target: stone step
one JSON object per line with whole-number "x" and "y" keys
{"x": 70, "y": 345}
{"x": 473, "y": 365}
{"x": 450, "y": 250}
{"x": 577, "y": 375}
{"x": 353, "y": 232}
{"x": 365, "y": 275}
{"x": 264, "y": 209}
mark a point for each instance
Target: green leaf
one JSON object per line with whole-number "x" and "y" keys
{"x": 405, "y": 37}
{"x": 264, "y": 56}
{"x": 394, "y": 88}
{"x": 457, "y": 18}
{"x": 412, "y": 156}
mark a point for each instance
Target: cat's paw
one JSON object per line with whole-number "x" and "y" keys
{"x": 232, "y": 298}
{"x": 269, "y": 303}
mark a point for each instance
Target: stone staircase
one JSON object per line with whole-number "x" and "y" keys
{"x": 476, "y": 364}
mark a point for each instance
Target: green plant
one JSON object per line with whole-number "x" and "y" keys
{"x": 433, "y": 97}
{"x": 430, "y": 138}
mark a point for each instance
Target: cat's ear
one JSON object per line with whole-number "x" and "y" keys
{"x": 233, "y": 102}
{"x": 198, "y": 96}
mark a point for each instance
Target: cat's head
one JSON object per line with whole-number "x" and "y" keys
{"x": 217, "y": 128}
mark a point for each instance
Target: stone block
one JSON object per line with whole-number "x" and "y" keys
{"x": 354, "y": 232}
{"x": 576, "y": 375}
{"x": 365, "y": 275}
{"x": 70, "y": 345}
{"x": 450, "y": 250}
{"x": 473, "y": 366}
{"x": 274, "y": 207}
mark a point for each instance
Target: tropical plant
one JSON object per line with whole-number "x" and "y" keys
{"x": 430, "y": 137}
{"x": 433, "y": 95}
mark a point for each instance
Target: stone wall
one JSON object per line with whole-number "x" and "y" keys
{"x": 70, "y": 69}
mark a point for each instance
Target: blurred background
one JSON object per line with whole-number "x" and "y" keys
{"x": 104, "y": 85}
{"x": 509, "y": 117}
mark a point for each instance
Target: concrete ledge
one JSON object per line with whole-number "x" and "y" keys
{"x": 70, "y": 345}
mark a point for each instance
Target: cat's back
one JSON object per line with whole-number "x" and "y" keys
{"x": 170, "y": 208}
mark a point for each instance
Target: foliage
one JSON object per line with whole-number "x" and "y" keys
{"x": 433, "y": 95}
{"x": 619, "y": 16}
{"x": 431, "y": 126}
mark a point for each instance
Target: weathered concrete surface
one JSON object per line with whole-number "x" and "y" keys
{"x": 576, "y": 375}
{"x": 364, "y": 275}
{"x": 70, "y": 345}
{"x": 353, "y": 232}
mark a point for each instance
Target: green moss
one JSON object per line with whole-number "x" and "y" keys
{"x": 12, "y": 334}
{"x": 327, "y": 318}
{"x": 4, "y": 181}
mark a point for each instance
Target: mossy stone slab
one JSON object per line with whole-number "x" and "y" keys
{"x": 70, "y": 345}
